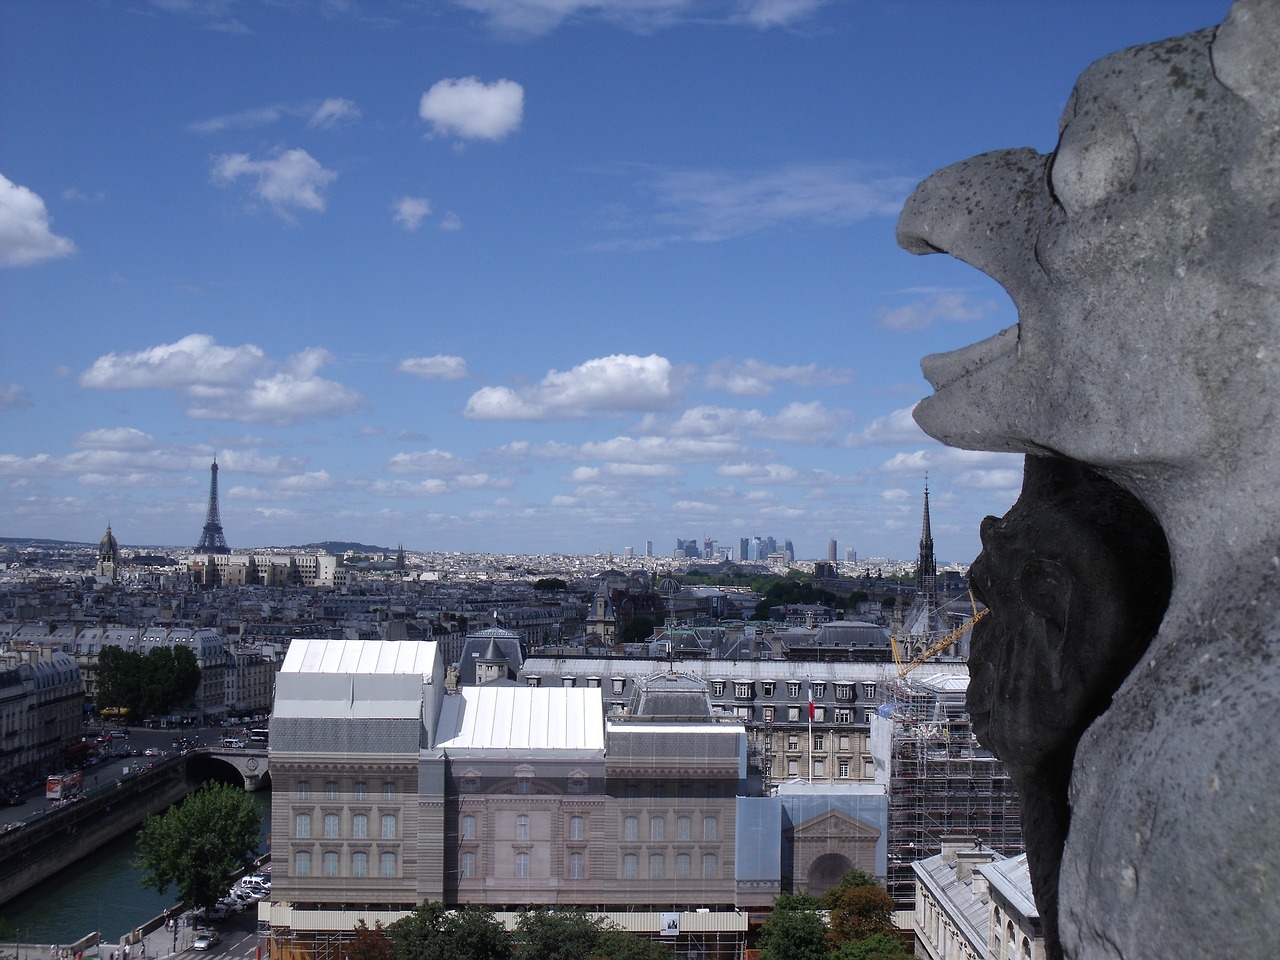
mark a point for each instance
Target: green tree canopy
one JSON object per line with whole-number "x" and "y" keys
{"x": 794, "y": 931}
{"x": 877, "y": 946}
{"x": 859, "y": 912}
{"x": 433, "y": 932}
{"x": 550, "y": 584}
{"x": 854, "y": 878}
{"x": 146, "y": 685}
{"x": 199, "y": 843}
{"x": 557, "y": 935}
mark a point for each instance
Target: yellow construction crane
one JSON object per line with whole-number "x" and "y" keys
{"x": 905, "y": 667}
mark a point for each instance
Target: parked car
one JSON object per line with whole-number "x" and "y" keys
{"x": 205, "y": 940}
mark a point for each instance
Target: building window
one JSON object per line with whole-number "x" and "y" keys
{"x": 844, "y": 691}
{"x": 793, "y": 714}
{"x": 766, "y": 688}
{"x": 522, "y": 827}
{"x": 618, "y": 684}
{"x": 684, "y": 866}
{"x": 468, "y": 828}
{"x": 768, "y": 714}
{"x": 844, "y": 741}
{"x": 820, "y": 714}
{"x": 844, "y": 769}
{"x": 302, "y": 863}
{"x": 742, "y": 690}
{"x": 710, "y": 828}
{"x": 793, "y": 741}
{"x": 467, "y": 865}
{"x": 657, "y": 866}
{"x": 793, "y": 768}
{"x": 657, "y": 828}
{"x": 867, "y": 715}
{"x": 524, "y": 785}
{"x": 388, "y": 826}
{"x": 470, "y": 783}
{"x": 533, "y": 681}
{"x": 331, "y": 789}
{"x": 522, "y": 865}
{"x": 819, "y": 690}
{"x": 844, "y": 715}
{"x": 576, "y": 828}
{"x": 631, "y": 828}
{"x": 793, "y": 689}
{"x": 577, "y": 866}
{"x": 717, "y": 688}
{"x": 684, "y": 828}
{"x": 630, "y": 864}
{"x": 360, "y": 826}
{"x": 868, "y": 691}
{"x": 361, "y": 790}
{"x": 330, "y": 825}
{"x": 710, "y": 867}
{"x": 359, "y": 864}
{"x": 389, "y": 790}
{"x": 593, "y": 683}
{"x": 578, "y": 785}
{"x": 302, "y": 825}
{"x": 387, "y": 864}
{"x": 819, "y": 768}
{"x": 304, "y": 789}
{"x": 819, "y": 742}
{"x": 329, "y": 863}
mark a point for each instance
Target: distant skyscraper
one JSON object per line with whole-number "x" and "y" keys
{"x": 648, "y": 548}
{"x": 744, "y": 548}
{"x": 831, "y": 550}
{"x": 211, "y": 538}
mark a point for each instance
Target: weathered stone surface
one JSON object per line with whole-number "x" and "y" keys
{"x": 1144, "y": 258}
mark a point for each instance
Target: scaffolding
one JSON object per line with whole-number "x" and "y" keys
{"x": 941, "y": 782}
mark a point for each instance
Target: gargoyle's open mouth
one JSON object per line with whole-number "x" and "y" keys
{"x": 944, "y": 369}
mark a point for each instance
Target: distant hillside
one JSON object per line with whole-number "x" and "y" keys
{"x": 342, "y": 546}
{"x": 44, "y": 542}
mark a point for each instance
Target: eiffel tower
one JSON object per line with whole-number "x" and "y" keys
{"x": 211, "y": 538}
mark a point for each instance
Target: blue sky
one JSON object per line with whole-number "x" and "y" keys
{"x": 504, "y": 275}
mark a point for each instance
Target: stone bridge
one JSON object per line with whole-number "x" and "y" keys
{"x": 249, "y": 762}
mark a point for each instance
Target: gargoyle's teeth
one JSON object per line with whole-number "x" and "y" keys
{"x": 942, "y": 369}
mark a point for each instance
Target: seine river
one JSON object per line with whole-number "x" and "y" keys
{"x": 101, "y": 892}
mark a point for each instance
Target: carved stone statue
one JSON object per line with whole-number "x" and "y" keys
{"x": 1076, "y": 577}
{"x": 1143, "y": 256}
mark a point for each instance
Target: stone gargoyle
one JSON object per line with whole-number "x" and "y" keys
{"x": 1143, "y": 256}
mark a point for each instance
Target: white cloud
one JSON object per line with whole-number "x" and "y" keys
{"x": 436, "y": 463}
{"x": 472, "y": 110}
{"x": 799, "y": 423}
{"x": 410, "y": 211}
{"x": 946, "y": 305}
{"x": 229, "y": 383}
{"x": 895, "y": 428}
{"x": 244, "y": 119}
{"x": 196, "y": 359}
{"x": 289, "y": 179}
{"x": 753, "y": 378}
{"x": 775, "y": 13}
{"x": 25, "y": 234}
{"x": 334, "y": 111}
{"x": 439, "y": 367}
{"x": 450, "y": 221}
{"x": 597, "y": 387}
{"x": 116, "y": 438}
{"x": 712, "y": 205}
{"x": 660, "y": 450}
{"x": 13, "y": 396}
{"x": 537, "y": 17}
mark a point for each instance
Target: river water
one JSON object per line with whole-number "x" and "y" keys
{"x": 102, "y": 893}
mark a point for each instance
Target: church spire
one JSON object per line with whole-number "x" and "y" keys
{"x": 926, "y": 565}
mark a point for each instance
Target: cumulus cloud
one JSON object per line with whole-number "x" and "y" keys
{"x": 470, "y": 109}
{"x": 945, "y": 305}
{"x": 896, "y": 428}
{"x": 602, "y": 386}
{"x": 706, "y": 206}
{"x": 439, "y": 367}
{"x": 438, "y": 463}
{"x": 754, "y": 378}
{"x": 116, "y": 438}
{"x": 410, "y": 211}
{"x": 625, "y": 449}
{"x": 13, "y": 396}
{"x": 26, "y": 237}
{"x": 334, "y": 112}
{"x": 287, "y": 180}
{"x": 538, "y": 17}
{"x": 799, "y": 423}
{"x": 229, "y": 383}
{"x": 450, "y": 221}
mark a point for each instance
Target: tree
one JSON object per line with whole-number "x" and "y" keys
{"x": 369, "y": 944}
{"x": 859, "y": 912}
{"x": 878, "y": 946}
{"x": 625, "y": 945}
{"x": 794, "y": 931}
{"x": 557, "y": 935}
{"x": 550, "y": 584}
{"x": 638, "y": 629}
{"x": 854, "y": 878}
{"x": 146, "y": 685}
{"x": 433, "y": 932}
{"x": 200, "y": 843}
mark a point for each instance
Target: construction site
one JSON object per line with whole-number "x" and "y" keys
{"x": 941, "y": 783}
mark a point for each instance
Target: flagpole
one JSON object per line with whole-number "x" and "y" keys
{"x": 811, "y": 731}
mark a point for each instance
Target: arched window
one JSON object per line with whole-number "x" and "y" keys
{"x": 630, "y": 864}
{"x": 302, "y": 825}
{"x": 302, "y": 863}
{"x": 387, "y": 864}
{"x": 468, "y": 827}
{"x": 657, "y": 866}
{"x": 631, "y": 828}
{"x": 522, "y": 864}
{"x": 522, "y": 827}
{"x": 388, "y": 826}
{"x": 575, "y": 828}
{"x": 577, "y": 866}
{"x": 360, "y": 826}
{"x": 330, "y": 863}
{"x": 330, "y": 825}
{"x": 359, "y": 864}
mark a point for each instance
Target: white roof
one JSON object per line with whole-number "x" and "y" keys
{"x": 522, "y": 718}
{"x": 317, "y": 655}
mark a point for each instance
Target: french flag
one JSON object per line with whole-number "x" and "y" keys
{"x": 811, "y": 710}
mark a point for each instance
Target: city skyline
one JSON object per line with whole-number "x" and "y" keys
{"x": 538, "y": 276}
